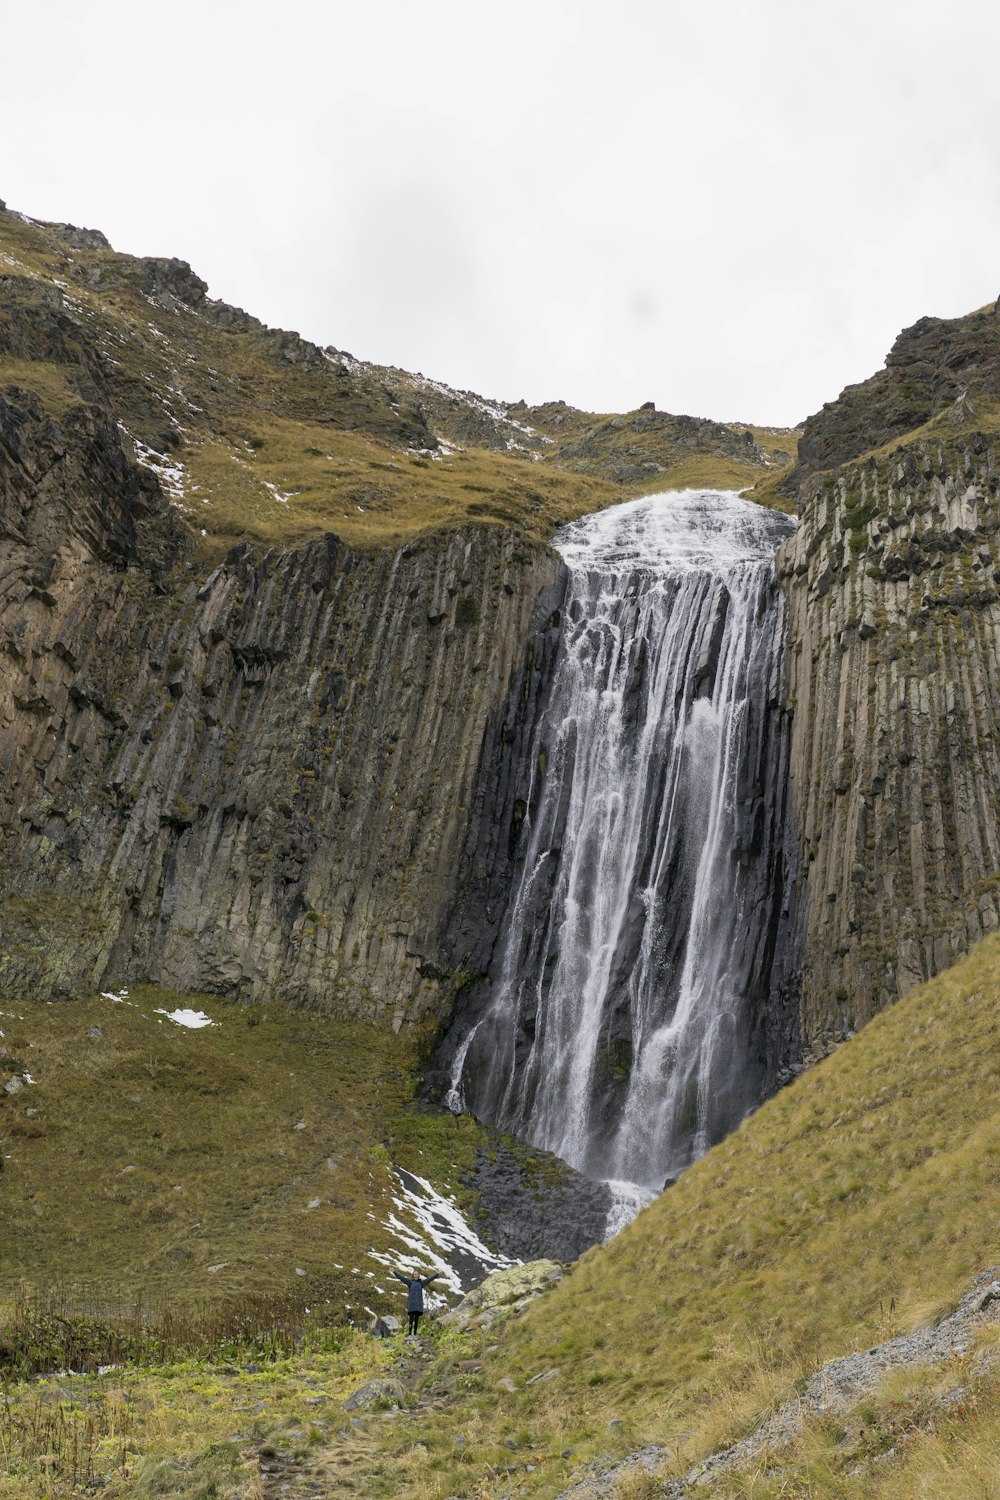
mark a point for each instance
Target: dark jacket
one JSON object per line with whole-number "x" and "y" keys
{"x": 415, "y": 1289}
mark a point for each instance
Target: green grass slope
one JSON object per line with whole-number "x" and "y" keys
{"x": 853, "y": 1206}
{"x": 849, "y": 1208}
{"x": 194, "y": 1167}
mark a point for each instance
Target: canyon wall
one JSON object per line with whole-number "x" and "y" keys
{"x": 304, "y": 771}
{"x": 894, "y": 639}
{"x": 256, "y": 781}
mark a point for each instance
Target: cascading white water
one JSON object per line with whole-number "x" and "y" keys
{"x": 619, "y": 1034}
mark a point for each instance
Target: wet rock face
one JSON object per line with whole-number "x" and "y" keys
{"x": 532, "y": 1204}
{"x": 256, "y": 782}
{"x": 894, "y": 637}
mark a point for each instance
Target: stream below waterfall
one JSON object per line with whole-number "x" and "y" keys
{"x": 623, "y": 1027}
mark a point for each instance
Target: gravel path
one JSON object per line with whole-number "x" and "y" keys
{"x": 834, "y": 1387}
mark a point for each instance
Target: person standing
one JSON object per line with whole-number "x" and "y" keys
{"x": 415, "y": 1296}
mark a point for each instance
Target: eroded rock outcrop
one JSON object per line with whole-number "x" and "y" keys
{"x": 935, "y": 366}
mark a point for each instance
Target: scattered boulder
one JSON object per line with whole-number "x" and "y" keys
{"x": 377, "y": 1395}
{"x": 384, "y": 1328}
{"x": 506, "y": 1291}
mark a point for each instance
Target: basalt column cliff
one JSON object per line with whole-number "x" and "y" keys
{"x": 262, "y": 609}
{"x": 255, "y": 781}
{"x": 894, "y": 643}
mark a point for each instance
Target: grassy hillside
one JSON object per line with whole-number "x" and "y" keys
{"x": 853, "y": 1206}
{"x": 256, "y": 433}
{"x": 849, "y": 1208}
{"x": 191, "y": 1167}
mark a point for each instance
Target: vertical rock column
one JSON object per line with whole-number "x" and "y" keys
{"x": 894, "y": 645}
{"x": 257, "y": 782}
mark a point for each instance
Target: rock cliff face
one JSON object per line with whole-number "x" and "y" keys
{"x": 894, "y": 626}
{"x": 937, "y": 364}
{"x": 301, "y": 771}
{"x": 256, "y": 781}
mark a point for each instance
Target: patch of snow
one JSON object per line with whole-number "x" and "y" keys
{"x": 120, "y": 999}
{"x": 169, "y": 471}
{"x": 279, "y": 495}
{"x": 192, "y": 1019}
{"x": 435, "y": 1233}
{"x": 343, "y": 360}
{"x": 443, "y": 450}
{"x": 28, "y": 1078}
{"x": 491, "y": 409}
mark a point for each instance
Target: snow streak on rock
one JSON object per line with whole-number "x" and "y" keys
{"x": 435, "y": 1235}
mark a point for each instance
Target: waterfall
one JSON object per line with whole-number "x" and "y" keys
{"x": 640, "y": 932}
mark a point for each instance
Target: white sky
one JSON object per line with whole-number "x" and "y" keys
{"x": 727, "y": 208}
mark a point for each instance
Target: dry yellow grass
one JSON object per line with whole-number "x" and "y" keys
{"x": 45, "y": 379}
{"x": 872, "y": 1182}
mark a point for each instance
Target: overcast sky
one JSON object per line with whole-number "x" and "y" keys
{"x": 727, "y": 208}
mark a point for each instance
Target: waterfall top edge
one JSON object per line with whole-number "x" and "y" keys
{"x": 677, "y": 530}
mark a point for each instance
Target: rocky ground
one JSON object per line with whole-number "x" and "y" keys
{"x": 935, "y": 365}
{"x": 403, "y": 1394}
{"x": 407, "y": 1394}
